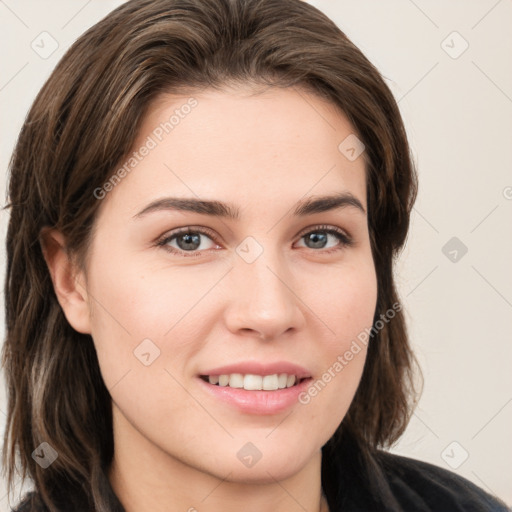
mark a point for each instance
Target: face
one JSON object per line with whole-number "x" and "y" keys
{"x": 271, "y": 295}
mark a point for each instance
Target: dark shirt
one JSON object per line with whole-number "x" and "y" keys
{"x": 386, "y": 482}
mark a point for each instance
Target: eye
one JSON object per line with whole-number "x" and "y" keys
{"x": 318, "y": 237}
{"x": 188, "y": 241}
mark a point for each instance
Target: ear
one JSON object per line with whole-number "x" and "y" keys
{"x": 68, "y": 281}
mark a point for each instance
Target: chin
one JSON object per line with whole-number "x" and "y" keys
{"x": 267, "y": 463}
{"x": 264, "y": 472}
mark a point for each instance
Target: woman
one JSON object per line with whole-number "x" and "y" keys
{"x": 206, "y": 201}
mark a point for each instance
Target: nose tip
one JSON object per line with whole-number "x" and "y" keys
{"x": 264, "y": 302}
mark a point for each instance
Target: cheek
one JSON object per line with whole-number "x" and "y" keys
{"x": 348, "y": 311}
{"x": 140, "y": 340}
{"x": 141, "y": 303}
{"x": 348, "y": 304}
{"x": 139, "y": 310}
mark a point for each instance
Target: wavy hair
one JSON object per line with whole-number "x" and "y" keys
{"x": 84, "y": 122}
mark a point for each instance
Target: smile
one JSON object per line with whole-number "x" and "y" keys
{"x": 257, "y": 401}
{"x": 251, "y": 382}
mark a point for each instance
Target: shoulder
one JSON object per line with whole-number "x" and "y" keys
{"x": 30, "y": 503}
{"x": 425, "y": 487}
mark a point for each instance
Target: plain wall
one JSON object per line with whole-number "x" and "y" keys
{"x": 457, "y": 106}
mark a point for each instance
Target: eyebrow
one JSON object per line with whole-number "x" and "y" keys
{"x": 213, "y": 208}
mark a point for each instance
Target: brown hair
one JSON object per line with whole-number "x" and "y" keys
{"x": 84, "y": 122}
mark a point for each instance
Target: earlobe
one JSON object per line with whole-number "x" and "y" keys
{"x": 68, "y": 281}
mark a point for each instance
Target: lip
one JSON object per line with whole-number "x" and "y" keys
{"x": 256, "y": 368}
{"x": 257, "y": 402}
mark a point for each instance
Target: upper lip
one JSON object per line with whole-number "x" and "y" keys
{"x": 257, "y": 368}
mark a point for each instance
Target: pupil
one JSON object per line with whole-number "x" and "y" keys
{"x": 188, "y": 239}
{"x": 318, "y": 240}
{"x": 191, "y": 240}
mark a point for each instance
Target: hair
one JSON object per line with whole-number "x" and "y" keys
{"x": 84, "y": 121}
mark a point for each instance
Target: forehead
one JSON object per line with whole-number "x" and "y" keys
{"x": 273, "y": 145}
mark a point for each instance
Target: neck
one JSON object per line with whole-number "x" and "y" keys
{"x": 140, "y": 489}
{"x": 145, "y": 478}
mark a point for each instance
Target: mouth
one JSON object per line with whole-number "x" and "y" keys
{"x": 253, "y": 382}
{"x": 255, "y": 394}
{"x": 256, "y": 387}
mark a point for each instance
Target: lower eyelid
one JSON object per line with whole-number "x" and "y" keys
{"x": 344, "y": 239}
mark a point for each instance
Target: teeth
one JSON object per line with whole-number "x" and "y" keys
{"x": 252, "y": 382}
{"x": 282, "y": 380}
{"x": 290, "y": 381}
{"x": 270, "y": 382}
{"x": 236, "y": 380}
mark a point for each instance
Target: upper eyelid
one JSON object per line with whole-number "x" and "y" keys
{"x": 210, "y": 233}
{"x": 323, "y": 227}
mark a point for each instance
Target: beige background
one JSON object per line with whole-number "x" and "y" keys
{"x": 457, "y": 105}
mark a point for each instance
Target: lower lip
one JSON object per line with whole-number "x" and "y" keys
{"x": 257, "y": 402}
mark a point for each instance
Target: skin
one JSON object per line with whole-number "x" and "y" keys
{"x": 176, "y": 446}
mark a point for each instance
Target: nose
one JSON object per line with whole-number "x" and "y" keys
{"x": 264, "y": 302}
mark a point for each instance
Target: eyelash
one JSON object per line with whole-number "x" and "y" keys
{"x": 346, "y": 240}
